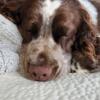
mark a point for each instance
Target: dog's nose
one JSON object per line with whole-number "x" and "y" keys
{"x": 40, "y": 73}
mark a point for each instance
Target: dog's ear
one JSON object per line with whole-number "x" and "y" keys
{"x": 11, "y": 9}
{"x": 85, "y": 41}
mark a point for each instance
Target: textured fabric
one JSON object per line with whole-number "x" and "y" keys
{"x": 9, "y": 61}
{"x": 10, "y": 43}
{"x": 70, "y": 87}
{"x": 9, "y": 35}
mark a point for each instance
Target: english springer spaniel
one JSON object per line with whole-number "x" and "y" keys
{"x": 62, "y": 36}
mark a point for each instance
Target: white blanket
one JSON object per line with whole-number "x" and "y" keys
{"x": 70, "y": 87}
{"x": 10, "y": 43}
{"x": 14, "y": 86}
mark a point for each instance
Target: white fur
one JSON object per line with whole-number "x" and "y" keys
{"x": 78, "y": 69}
{"x": 91, "y": 9}
{"x": 49, "y": 8}
{"x": 98, "y": 34}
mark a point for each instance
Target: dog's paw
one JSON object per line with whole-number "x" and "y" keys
{"x": 77, "y": 68}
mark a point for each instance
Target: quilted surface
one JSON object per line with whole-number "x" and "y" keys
{"x": 10, "y": 37}
{"x": 10, "y": 43}
{"x": 70, "y": 87}
{"x": 8, "y": 61}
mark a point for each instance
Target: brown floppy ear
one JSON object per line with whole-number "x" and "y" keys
{"x": 83, "y": 49}
{"x": 11, "y": 9}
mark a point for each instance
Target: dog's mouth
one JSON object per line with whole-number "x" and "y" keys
{"x": 44, "y": 72}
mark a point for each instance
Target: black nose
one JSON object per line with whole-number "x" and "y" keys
{"x": 42, "y": 59}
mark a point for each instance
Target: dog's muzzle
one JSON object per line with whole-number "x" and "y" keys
{"x": 42, "y": 70}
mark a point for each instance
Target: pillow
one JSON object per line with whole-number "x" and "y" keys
{"x": 10, "y": 44}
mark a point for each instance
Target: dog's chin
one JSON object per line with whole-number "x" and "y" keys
{"x": 51, "y": 70}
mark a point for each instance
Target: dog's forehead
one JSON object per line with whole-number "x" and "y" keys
{"x": 48, "y": 9}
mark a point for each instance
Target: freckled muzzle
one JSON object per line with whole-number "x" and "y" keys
{"x": 45, "y": 59}
{"x": 43, "y": 69}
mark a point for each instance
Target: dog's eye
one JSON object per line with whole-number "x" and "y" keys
{"x": 59, "y": 32}
{"x": 34, "y": 30}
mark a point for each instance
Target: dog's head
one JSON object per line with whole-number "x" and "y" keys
{"x": 45, "y": 53}
{"x": 55, "y": 30}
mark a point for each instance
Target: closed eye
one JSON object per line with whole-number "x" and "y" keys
{"x": 58, "y": 32}
{"x": 34, "y": 30}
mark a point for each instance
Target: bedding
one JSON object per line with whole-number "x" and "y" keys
{"x": 14, "y": 86}
{"x": 70, "y": 87}
{"x": 10, "y": 44}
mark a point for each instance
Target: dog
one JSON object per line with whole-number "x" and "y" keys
{"x": 61, "y": 36}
